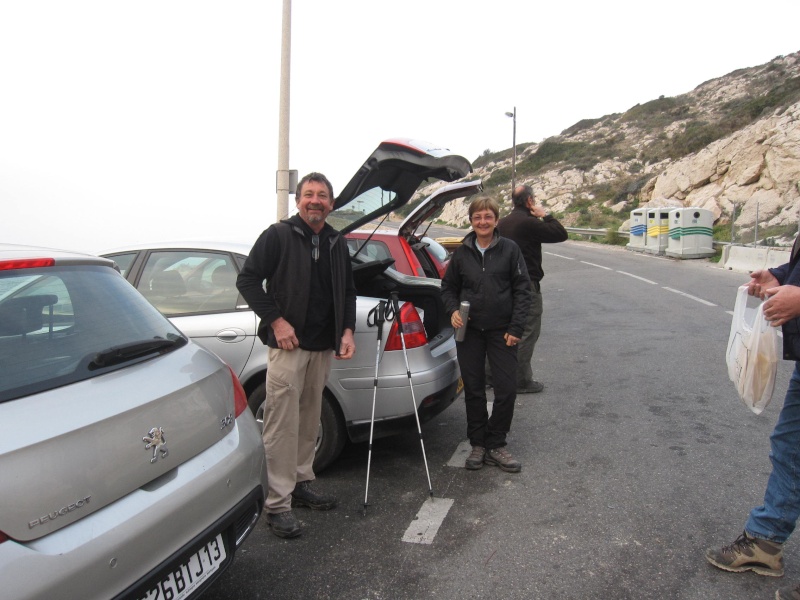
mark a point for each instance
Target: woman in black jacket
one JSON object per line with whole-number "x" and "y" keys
{"x": 488, "y": 271}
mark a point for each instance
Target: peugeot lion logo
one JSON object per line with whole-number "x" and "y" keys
{"x": 156, "y": 440}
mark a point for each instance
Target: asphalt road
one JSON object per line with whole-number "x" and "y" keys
{"x": 637, "y": 455}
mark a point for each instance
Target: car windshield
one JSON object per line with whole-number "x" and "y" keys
{"x": 56, "y": 321}
{"x": 366, "y": 203}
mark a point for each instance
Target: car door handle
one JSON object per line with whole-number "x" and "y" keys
{"x": 231, "y": 335}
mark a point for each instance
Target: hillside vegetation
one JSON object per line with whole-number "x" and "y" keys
{"x": 731, "y": 144}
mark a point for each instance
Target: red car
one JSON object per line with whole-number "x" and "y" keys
{"x": 413, "y": 252}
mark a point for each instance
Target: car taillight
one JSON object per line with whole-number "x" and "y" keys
{"x": 412, "y": 328}
{"x": 26, "y": 263}
{"x": 239, "y": 396}
{"x": 416, "y": 266}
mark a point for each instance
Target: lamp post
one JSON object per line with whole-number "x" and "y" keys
{"x": 513, "y": 115}
{"x": 282, "y": 176}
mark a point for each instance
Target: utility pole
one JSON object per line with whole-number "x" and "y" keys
{"x": 282, "y": 175}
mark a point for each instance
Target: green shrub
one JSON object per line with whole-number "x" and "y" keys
{"x": 580, "y": 126}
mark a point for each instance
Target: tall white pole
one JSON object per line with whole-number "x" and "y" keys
{"x": 283, "y": 118}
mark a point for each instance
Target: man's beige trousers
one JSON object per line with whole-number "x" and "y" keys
{"x": 295, "y": 380}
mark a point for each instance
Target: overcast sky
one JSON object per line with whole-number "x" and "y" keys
{"x": 154, "y": 120}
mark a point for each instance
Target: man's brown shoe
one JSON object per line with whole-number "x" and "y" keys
{"x": 749, "y": 554}
{"x": 284, "y": 525}
{"x": 305, "y": 495}
{"x": 503, "y": 459}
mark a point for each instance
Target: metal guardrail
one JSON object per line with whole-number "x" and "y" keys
{"x": 593, "y": 232}
{"x": 623, "y": 234}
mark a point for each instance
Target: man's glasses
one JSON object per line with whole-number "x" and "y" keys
{"x": 315, "y": 249}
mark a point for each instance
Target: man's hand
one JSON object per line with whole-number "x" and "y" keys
{"x": 539, "y": 211}
{"x": 510, "y": 339}
{"x": 455, "y": 319}
{"x": 348, "y": 347}
{"x": 760, "y": 282}
{"x": 284, "y": 334}
{"x": 783, "y": 304}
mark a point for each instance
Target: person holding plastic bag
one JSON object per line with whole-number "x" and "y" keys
{"x": 753, "y": 352}
{"x": 760, "y": 546}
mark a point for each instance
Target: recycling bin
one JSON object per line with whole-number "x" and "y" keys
{"x": 638, "y": 230}
{"x": 691, "y": 233}
{"x": 657, "y": 230}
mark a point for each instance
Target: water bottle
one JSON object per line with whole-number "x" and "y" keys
{"x": 463, "y": 310}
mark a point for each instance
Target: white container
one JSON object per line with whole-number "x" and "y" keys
{"x": 691, "y": 233}
{"x": 638, "y": 230}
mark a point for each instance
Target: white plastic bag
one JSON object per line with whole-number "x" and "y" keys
{"x": 753, "y": 352}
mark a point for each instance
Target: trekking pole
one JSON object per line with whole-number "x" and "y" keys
{"x": 396, "y": 307}
{"x": 376, "y": 317}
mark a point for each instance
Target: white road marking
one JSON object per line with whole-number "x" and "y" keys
{"x": 669, "y": 289}
{"x": 700, "y": 300}
{"x": 598, "y": 266}
{"x": 460, "y": 455}
{"x": 428, "y": 520}
{"x": 637, "y": 277}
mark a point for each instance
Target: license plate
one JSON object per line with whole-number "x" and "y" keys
{"x": 460, "y": 386}
{"x": 185, "y": 578}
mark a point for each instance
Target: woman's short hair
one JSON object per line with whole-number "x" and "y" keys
{"x": 484, "y": 202}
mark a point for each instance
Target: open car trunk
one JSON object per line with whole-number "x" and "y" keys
{"x": 377, "y": 279}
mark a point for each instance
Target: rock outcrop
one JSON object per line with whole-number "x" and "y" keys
{"x": 655, "y": 155}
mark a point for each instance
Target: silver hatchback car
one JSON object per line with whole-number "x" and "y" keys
{"x": 130, "y": 464}
{"x": 193, "y": 283}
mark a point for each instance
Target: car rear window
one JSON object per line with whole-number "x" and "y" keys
{"x": 436, "y": 249}
{"x": 56, "y": 321}
{"x": 373, "y": 250}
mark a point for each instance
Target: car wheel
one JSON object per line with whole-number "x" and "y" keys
{"x": 332, "y": 433}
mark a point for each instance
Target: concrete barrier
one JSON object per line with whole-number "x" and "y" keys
{"x": 747, "y": 258}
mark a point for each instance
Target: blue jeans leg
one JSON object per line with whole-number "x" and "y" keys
{"x": 776, "y": 518}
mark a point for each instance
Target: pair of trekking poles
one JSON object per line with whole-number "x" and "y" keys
{"x": 387, "y": 311}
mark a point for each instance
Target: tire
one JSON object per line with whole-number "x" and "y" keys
{"x": 332, "y": 433}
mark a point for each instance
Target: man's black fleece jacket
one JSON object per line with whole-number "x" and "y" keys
{"x": 282, "y": 257}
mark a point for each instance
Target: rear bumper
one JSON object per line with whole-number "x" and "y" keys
{"x": 234, "y": 527}
{"x": 116, "y": 551}
{"x": 430, "y": 407}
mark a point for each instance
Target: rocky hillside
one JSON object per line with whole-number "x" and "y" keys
{"x": 731, "y": 145}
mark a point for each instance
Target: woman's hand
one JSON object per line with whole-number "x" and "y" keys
{"x": 511, "y": 340}
{"x": 455, "y": 320}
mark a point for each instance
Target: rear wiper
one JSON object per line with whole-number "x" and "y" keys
{"x": 133, "y": 350}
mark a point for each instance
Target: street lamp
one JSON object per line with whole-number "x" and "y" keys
{"x": 513, "y": 115}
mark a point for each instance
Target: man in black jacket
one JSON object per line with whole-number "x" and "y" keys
{"x": 308, "y": 312}
{"x": 530, "y": 226}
